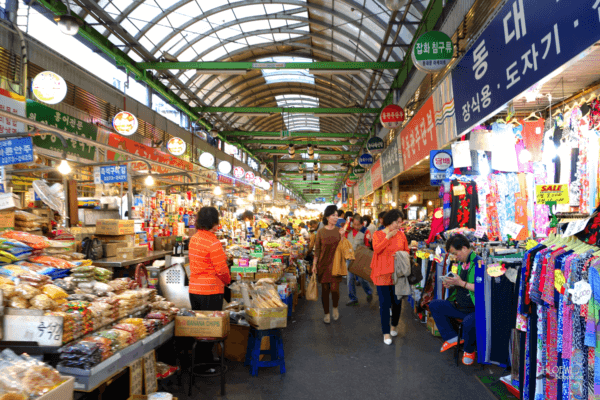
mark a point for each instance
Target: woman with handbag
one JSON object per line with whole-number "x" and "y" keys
{"x": 386, "y": 243}
{"x": 326, "y": 243}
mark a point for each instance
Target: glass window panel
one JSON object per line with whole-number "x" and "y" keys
{"x": 199, "y": 27}
{"x": 115, "y": 40}
{"x": 112, "y": 10}
{"x": 123, "y": 4}
{"x": 164, "y": 4}
{"x": 221, "y": 17}
{"x": 188, "y": 55}
{"x": 135, "y": 56}
{"x": 231, "y": 47}
{"x": 89, "y": 19}
{"x": 273, "y": 8}
{"x": 177, "y": 18}
{"x": 215, "y": 54}
{"x": 145, "y": 13}
{"x": 129, "y": 27}
{"x": 253, "y": 26}
{"x": 227, "y": 33}
{"x": 254, "y": 40}
{"x": 146, "y": 43}
{"x": 158, "y": 32}
{"x": 279, "y": 37}
{"x": 278, "y": 23}
{"x": 249, "y": 11}
{"x": 206, "y": 43}
{"x": 209, "y": 5}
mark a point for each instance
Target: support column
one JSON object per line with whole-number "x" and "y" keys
{"x": 395, "y": 186}
{"x": 129, "y": 191}
{"x": 275, "y": 176}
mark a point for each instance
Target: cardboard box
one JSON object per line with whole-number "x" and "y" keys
{"x": 164, "y": 243}
{"x": 202, "y": 325}
{"x": 7, "y": 220}
{"x": 140, "y": 251}
{"x": 43, "y": 212}
{"x": 262, "y": 275}
{"x": 267, "y": 318}
{"x": 115, "y": 227}
{"x": 9, "y": 201}
{"x": 126, "y": 253}
{"x": 128, "y": 240}
{"x": 64, "y": 391}
{"x": 235, "y": 276}
{"x": 432, "y": 327}
{"x": 236, "y": 343}
{"x": 361, "y": 265}
{"x": 110, "y": 249}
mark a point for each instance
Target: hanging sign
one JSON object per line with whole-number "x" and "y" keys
{"x": 517, "y": 50}
{"x": 419, "y": 136}
{"x": 439, "y": 162}
{"x": 390, "y": 162}
{"x": 432, "y": 51}
{"x": 250, "y": 176}
{"x": 344, "y": 195}
{"x": 176, "y": 146}
{"x": 496, "y": 270}
{"x": 49, "y": 87}
{"x": 575, "y": 227}
{"x": 16, "y": 151}
{"x": 113, "y": 174}
{"x": 375, "y": 145}
{"x": 238, "y": 172}
{"x": 581, "y": 292}
{"x": 376, "y": 177}
{"x": 207, "y": 160}
{"x": 358, "y": 170}
{"x": 392, "y": 116}
{"x": 549, "y": 193}
{"x": 125, "y": 123}
{"x": 15, "y": 104}
{"x": 365, "y": 160}
{"x": 350, "y": 183}
{"x": 224, "y": 167}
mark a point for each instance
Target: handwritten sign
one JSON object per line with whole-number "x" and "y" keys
{"x": 135, "y": 377}
{"x": 458, "y": 190}
{"x": 575, "y": 227}
{"x": 150, "y": 384}
{"x": 548, "y": 193}
{"x": 45, "y": 330}
{"x": 480, "y": 232}
{"x": 512, "y": 229}
{"x": 559, "y": 281}
{"x": 581, "y": 292}
{"x": 496, "y": 270}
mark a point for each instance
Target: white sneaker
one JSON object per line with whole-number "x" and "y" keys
{"x": 327, "y": 318}
{"x": 387, "y": 341}
{"x": 336, "y": 314}
{"x": 393, "y": 333}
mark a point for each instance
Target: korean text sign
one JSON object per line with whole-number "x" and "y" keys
{"x": 439, "y": 162}
{"x": 419, "y": 136}
{"x": 390, "y": 161}
{"x": 547, "y": 193}
{"x": 15, "y": 151}
{"x": 113, "y": 174}
{"x": 526, "y": 42}
{"x": 376, "y": 178}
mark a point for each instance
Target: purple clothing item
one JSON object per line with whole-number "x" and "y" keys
{"x": 523, "y": 166}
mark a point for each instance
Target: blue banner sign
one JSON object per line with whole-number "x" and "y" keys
{"x": 439, "y": 162}
{"x": 526, "y": 42}
{"x": 113, "y": 174}
{"x": 16, "y": 151}
{"x": 365, "y": 160}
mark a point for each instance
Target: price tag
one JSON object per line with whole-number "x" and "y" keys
{"x": 458, "y": 190}
{"x": 480, "y": 232}
{"x": 575, "y": 227}
{"x": 45, "y": 330}
{"x": 582, "y": 293}
{"x": 496, "y": 270}
{"x": 512, "y": 229}
{"x": 530, "y": 244}
{"x": 559, "y": 281}
{"x": 511, "y": 274}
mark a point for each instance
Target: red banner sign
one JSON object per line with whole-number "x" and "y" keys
{"x": 376, "y": 177}
{"x": 419, "y": 136}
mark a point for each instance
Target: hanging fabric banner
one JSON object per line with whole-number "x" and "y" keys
{"x": 419, "y": 136}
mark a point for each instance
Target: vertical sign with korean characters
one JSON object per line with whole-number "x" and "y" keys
{"x": 390, "y": 162}
{"x": 16, "y": 151}
{"x": 368, "y": 182}
{"x": 113, "y": 174}
{"x": 376, "y": 178}
{"x": 526, "y": 42}
{"x": 15, "y": 104}
{"x": 419, "y": 136}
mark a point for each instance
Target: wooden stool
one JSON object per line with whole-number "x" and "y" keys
{"x": 253, "y": 351}
{"x": 220, "y": 365}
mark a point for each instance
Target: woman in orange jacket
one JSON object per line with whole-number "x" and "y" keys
{"x": 386, "y": 243}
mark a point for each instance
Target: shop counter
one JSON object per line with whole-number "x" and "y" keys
{"x": 113, "y": 262}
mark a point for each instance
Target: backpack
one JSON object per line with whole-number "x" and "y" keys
{"x": 92, "y": 248}
{"x": 416, "y": 275}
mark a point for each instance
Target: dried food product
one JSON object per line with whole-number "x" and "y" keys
{"x": 34, "y": 279}
{"x": 18, "y": 302}
{"x": 33, "y": 241}
{"x": 52, "y": 262}
{"x": 54, "y": 292}
{"x": 26, "y": 291}
{"x": 42, "y": 302}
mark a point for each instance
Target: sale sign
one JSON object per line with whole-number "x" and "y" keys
{"x": 549, "y": 193}
{"x": 419, "y": 136}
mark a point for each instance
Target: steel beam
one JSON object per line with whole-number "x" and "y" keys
{"x": 221, "y": 65}
{"x": 282, "y": 172}
{"x": 296, "y": 142}
{"x": 295, "y": 134}
{"x": 285, "y": 151}
{"x": 318, "y": 162}
{"x": 294, "y": 110}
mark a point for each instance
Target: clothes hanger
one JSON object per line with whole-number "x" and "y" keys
{"x": 532, "y": 115}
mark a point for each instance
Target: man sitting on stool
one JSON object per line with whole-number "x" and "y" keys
{"x": 461, "y": 302}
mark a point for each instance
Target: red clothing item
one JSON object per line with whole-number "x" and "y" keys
{"x": 208, "y": 264}
{"x": 382, "y": 264}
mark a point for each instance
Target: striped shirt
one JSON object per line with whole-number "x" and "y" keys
{"x": 208, "y": 264}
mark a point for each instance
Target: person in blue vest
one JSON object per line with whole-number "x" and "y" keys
{"x": 461, "y": 302}
{"x": 357, "y": 235}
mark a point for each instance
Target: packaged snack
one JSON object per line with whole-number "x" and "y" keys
{"x": 52, "y": 261}
{"x": 26, "y": 291}
{"x": 33, "y": 241}
{"x": 54, "y": 292}
{"x": 12, "y": 270}
{"x": 7, "y": 290}
{"x": 6, "y": 281}
{"x": 25, "y": 216}
{"x": 42, "y": 302}
{"x": 34, "y": 279}
{"x": 7, "y": 258}
{"x": 83, "y": 270}
{"x": 18, "y": 302}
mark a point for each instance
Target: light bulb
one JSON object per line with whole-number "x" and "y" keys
{"x": 525, "y": 156}
{"x": 68, "y": 24}
{"x": 217, "y": 191}
{"x": 430, "y": 203}
{"x": 267, "y": 197}
{"x": 395, "y": 5}
{"x": 251, "y": 197}
{"x": 353, "y": 140}
{"x": 149, "y": 180}
{"x": 64, "y": 167}
{"x": 393, "y": 204}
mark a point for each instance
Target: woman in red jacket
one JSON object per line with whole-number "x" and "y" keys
{"x": 386, "y": 243}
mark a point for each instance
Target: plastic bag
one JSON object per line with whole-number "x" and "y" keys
{"x": 42, "y": 302}
{"x": 7, "y": 290}
{"x": 18, "y": 302}
{"x": 84, "y": 270}
{"x": 33, "y": 241}
{"x": 52, "y": 261}
{"x": 54, "y": 292}
{"x": 26, "y": 291}
{"x": 33, "y": 279}
{"x": 7, "y": 258}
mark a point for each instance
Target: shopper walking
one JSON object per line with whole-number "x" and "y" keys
{"x": 326, "y": 243}
{"x": 386, "y": 243}
{"x": 358, "y": 236}
{"x": 208, "y": 267}
{"x": 380, "y": 219}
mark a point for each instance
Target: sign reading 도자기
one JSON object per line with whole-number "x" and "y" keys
{"x": 376, "y": 177}
{"x": 555, "y": 192}
{"x": 419, "y": 136}
{"x": 390, "y": 161}
{"x": 526, "y": 41}
{"x": 439, "y": 162}
{"x": 432, "y": 51}
{"x": 113, "y": 174}
{"x": 16, "y": 151}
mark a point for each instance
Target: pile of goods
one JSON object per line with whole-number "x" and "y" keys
{"x": 23, "y": 377}
{"x": 25, "y": 221}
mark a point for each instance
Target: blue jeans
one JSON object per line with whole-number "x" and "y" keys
{"x": 443, "y": 311}
{"x": 352, "y": 284}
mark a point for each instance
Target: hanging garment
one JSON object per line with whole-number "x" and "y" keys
{"x": 533, "y": 137}
{"x": 464, "y": 205}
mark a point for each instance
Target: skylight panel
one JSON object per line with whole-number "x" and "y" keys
{"x": 209, "y": 5}
{"x": 254, "y": 40}
{"x": 280, "y": 37}
{"x": 123, "y": 4}
{"x": 273, "y": 8}
{"x": 164, "y": 4}
{"x": 278, "y": 23}
{"x": 253, "y": 26}
{"x": 158, "y": 33}
{"x": 250, "y": 11}
{"x": 129, "y": 27}
{"x": 145, "y": 13}
{"x": 112, "y": 10}
{"x": 231, "y": 47}
{"x": 221, "y": 18}
{"x": 215, "y": 54}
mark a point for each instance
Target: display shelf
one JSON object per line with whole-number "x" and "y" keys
{"x": 113, "y": 262}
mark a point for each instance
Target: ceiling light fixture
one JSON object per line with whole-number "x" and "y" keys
{"x": 217, "y": 191}
{"x": 353, "y": 140}
{"x": 214, "y": 133}
{"x": 64, "y": 168}
{"x": 267, "y": 197}
{"x": 149, "y": 180}
{"x": 395, "y": 5}
{"x": 68, "y": 24}
{"x": 291, "y": 150}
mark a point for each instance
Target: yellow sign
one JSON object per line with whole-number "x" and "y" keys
{"x": 22, "y": 180}
{"x": 496, "y": 270}
{"x": 559, "y": 281}
{"x": 547, "y": 193}
{"x": 458, "y": 190}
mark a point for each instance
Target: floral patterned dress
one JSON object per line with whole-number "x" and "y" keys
{"x": 464, "y": 205}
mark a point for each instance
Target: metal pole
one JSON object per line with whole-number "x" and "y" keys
{"x": 129, "y": 192}
{"x": 67, "y": 217}
{"x": 275, "y": 177}
{"x": 395, "y": 188}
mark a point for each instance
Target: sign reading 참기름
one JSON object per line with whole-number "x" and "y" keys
{"x": 525, "y": 42}
{"x": 548, "y": 193}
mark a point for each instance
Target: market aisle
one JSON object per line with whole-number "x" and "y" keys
{"x": 348, "y": 360}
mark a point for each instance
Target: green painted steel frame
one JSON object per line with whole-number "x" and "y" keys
{"x": 295, "y": 110}
{"x": 222, "y": 65}
{"x": 299, "y": 134}
{"x": 296, "y": 142}
{"x": 284, "y": 151}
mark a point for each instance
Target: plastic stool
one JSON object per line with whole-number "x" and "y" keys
{"x": 222, "y": 369}
{"x": 253, "y": 351}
